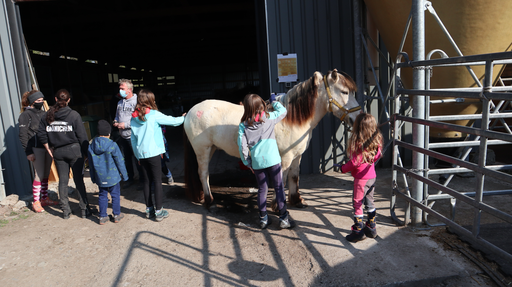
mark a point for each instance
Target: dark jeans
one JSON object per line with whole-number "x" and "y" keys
{"x": 165, "y": 169}
{"x": 262, "y": 178}
{"x": 115, "y": 193}
{"x": 151, "y": 168}
{"x": 66, "y": 157}
{"x": 125, "y": 145}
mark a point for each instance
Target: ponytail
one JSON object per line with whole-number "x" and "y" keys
{"x": 62, "y": 97}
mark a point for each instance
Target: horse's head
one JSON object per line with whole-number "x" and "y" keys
{"x": 341, "y": 90}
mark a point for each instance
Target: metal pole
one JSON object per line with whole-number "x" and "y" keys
{"x": 418, "y": 131}
{"x": 358, "y": 53}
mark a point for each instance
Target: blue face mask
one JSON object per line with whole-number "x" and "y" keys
{"x": 123, "y": 93}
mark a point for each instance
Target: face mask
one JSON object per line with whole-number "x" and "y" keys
{"x": 123, "y": 94}
{"x": 38, "y": 105}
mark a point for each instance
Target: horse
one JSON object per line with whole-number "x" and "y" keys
{"x": 213, "y": 124}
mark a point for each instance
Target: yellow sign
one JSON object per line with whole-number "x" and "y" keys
{"x": 287, "y": 67}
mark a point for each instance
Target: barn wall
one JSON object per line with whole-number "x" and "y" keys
{"x": 321, "y": 33}
{"x": 14, "y": 80}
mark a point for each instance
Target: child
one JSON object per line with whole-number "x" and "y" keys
{"x": 106, "y": 166}
{"x": 364, "y": 150}
{"x": 256, "y": 136}
{"x": 148, "y": 147}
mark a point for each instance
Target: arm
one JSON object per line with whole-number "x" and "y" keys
{"x": 92, "y": 171}
{"x": 119, "y": 160}
{"x": 279, "y": 112}
{"x": 24, "y": 122}
{"x": 243, "y": 149}
{"x": 133, "y": 140}
{"x": 165, "y": 120}
{"x": 80, "y": 133}
{"x": 350, "y": 165}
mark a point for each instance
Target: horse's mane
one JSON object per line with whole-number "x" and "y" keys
{"x": 300, "y": 102}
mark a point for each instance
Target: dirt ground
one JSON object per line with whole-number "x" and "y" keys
{"x": 225, "y": 247}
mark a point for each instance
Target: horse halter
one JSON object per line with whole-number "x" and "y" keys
{"x": 333, "y": 101}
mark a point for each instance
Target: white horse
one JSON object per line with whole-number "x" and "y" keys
{"x": 213, "y": 124}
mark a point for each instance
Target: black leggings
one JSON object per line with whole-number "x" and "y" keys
{"x": 66, "y": 157}
{"x": 151, "y": 169}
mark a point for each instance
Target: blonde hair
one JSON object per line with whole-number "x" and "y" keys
{"x": 366, "y": 139}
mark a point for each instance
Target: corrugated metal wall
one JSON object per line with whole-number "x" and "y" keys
{"x": 14, "y": 80}
{"x": 321, "y": 33}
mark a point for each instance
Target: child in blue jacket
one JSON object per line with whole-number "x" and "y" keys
{"x": 106, "y": 166}
{"x": 148, "y": 147}
{"x": 258, "y": 150}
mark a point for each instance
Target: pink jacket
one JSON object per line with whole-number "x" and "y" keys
{"x": 361, "y": 170}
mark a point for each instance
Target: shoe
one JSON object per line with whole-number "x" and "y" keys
{"x": 118, "y": 217}
{"x": 356, "y": 235}
{"x": 86, "y": 213}
{"x": 48, "y": 202}
{"x": 37, "y": 207}
{"x": 161, "y": 214}
{"x": 170, "y": 180}
{"x": 150, "y": 212}
{"x": 370, "y": 232}
{"x": 103, "y": 220}
{"x": 285, "y": 223}
{"x": 265, "y": 221}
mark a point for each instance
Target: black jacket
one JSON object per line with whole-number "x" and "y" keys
{"x": 29, "y": 122}
{"x": 67, "y": 128}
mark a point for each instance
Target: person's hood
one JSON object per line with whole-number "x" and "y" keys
{"x": 101, "y": 145}
{"x": 135, "y": 115}
{"x": 63, "y": 113}
{"x": 257, "y": 124}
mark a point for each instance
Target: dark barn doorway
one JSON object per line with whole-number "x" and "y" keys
{"x": 184, "y": 51}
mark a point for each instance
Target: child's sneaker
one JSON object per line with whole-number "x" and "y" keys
{"x": 37, "y": 206}
{"x": 265, "y": 221}
{"x": 118, "y": 217}
{"x": 48, "y": 202}
{"x": 285, "y": 222}
{"x": 161, "y": 214}
{"x": 150, "y": 212}
{"x": 103, "y": 220}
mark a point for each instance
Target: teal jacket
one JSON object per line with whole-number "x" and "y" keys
{"x": 147, "y": 138}
{"x": 260, "y": 140}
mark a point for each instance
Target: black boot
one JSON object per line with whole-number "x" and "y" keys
{"x": 88, "y": 211}
{"x": 370, "y": 228}
{"x": 357, "y": 231}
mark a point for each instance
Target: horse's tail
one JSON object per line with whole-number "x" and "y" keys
{"x": 193, "y": 186}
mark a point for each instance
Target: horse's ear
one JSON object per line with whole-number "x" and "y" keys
{"x": 334, "y": 75}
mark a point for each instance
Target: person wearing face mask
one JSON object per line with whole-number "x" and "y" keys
{"x": 125, "y": 108}
{"x": 29, "y": 119}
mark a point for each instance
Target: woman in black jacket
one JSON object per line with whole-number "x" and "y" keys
{"x": 63, "y": 134}
{"x": 29, "y": 120}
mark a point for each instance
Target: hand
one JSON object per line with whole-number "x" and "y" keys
{"x": 31, "y": 157}
{"x": 272, "y": 98}
{"x": 184, "y": 114}
{"x": 120, "y": 125}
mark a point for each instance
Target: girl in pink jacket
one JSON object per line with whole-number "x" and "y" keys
{"x": 364, "y": 150}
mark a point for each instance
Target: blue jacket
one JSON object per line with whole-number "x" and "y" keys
{"x": 106, "y": 162}
{"x": 147, "y": 137}
{"x": 260, "y": 140}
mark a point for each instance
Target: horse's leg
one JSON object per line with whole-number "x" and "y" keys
{"x": 203, "y": 160}
{"x": 294, "y": 197}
